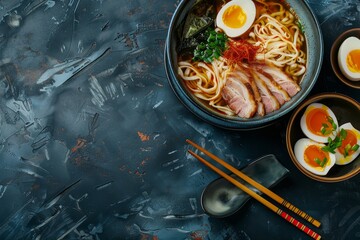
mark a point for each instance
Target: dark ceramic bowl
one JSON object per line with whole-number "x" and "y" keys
{"x": 346, "y": 110}
{"x": 355, "y": 32}
{"x": 314, "y": 53}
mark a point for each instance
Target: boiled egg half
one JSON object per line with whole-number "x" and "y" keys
{"x": 319, "y": 123}
{"x": 236, "y": 17}
{"x": 349, "y": 148}
{"x": 349, "y": 58}
{"x": 310, "y": 155}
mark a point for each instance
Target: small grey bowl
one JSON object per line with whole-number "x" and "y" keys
{"x": 221, "y": 198}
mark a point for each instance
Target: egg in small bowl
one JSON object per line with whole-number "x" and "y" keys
{"x": 349, "y": 148}
{"x": 236, "y": 17}
{"x": 349, "y": 58}
{"x": 312, "y": 157}
{"x": 347, "y": 110}
{"x": 319, "y": 123}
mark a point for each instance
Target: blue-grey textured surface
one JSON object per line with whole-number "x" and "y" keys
{"x": 92, "y": 138}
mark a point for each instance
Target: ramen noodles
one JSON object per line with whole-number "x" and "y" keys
{"x": 243, "y": 58}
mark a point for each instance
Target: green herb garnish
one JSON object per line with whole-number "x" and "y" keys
{"x": 349, "y": 148}
{"x": 337, "y": 142}
{"x": 332, "y": 144}
{"x": 212, "y": 48}
{"x": 301, "y": 27}
{"x": 324, "y": 161}
{"x": 321, "y": 163}
{"x": 317, "y": 160}
{"x": 355, "y": 147}
{"x": 326, "y": 129}
{"x": 343, "y": 133}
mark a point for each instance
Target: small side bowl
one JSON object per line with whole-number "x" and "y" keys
{"x": 346, "y": 110}
{"x": 355, "y": 32}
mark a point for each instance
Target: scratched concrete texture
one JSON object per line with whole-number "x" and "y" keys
{"x": 92, "y": 138}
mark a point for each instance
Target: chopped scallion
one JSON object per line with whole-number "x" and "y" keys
{"x": 355, "y": 147}
{"x": 212, "y": 48}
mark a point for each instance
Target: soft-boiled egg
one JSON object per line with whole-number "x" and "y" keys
{"x": 319, "y": 123}
{"x": 349, "y": 148}
{"x": 349, "y": 58}
{"x": 310, "y": 155}
{"x": 236, "y": 17}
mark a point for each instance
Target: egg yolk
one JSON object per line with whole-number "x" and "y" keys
{"x": 314, "y": 156}
{"x": 353, "y": 61}
{"x": 351, "y": 140}
{"x": 315, "y": 120}
{"x": 234, "y": 17}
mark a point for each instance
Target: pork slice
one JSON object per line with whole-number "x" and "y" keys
{"x": 289, "y": 85}
{"x": 244, "y": 73}
{"x": 281, "y": 95}
{"x": 268, "y": 99}
{"x": 239, "y": 96}
{"x": 260, "y": 106}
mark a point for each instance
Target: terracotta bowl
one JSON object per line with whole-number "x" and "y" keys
{"x": 346, "y": 110}
{"x": 355, "y": 32}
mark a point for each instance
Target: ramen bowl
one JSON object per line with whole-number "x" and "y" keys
{"x": 355, "y": 32}
{"x": 314, "y": 52}
{"x": 346, "y": 110}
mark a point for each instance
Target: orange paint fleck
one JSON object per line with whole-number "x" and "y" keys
{"x": 143, "y": 137}
{"x": 148, "y": 237}
{"x": 198, "y": 235}
{"x": 138, "y": 173}
{"x": 79, "y": 144}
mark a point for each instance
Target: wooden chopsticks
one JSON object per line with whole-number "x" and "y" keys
{"x": 264, "y": 190}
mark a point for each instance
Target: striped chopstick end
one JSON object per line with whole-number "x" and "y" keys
{"x": 299, "y": 225}
{"x": 304, "y": 215}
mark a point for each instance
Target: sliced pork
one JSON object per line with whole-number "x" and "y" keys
{"x": 281, "y": 95}
{"x": 268, "y": 99}
{"x": 260, "y": 106}
{"x": 239, "y": 95}
{"x": 256, "y": 89}
{"x": 289, "y": 85}
{"x": 244, "y": 73}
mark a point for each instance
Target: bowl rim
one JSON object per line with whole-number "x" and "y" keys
{"x": 333, "y": 59}
{"x": 290, "y": 124}
{"x": 204, "y": 113}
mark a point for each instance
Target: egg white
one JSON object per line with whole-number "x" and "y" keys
{"x": 308, "y": 133}
{"x": 349, "y": 44}
{"x": 249, "y": 9}
{"x": 299, "y": 150}
{"x": 340, "y": 159}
